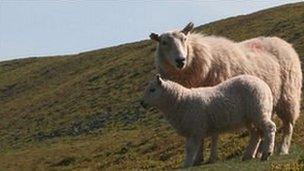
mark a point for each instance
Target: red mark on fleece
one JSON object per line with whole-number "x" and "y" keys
{"x": 255, "y": 46}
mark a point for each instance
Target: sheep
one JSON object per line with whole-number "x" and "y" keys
{"x": 195, "y": 60}
{"x": 197, "y": 113}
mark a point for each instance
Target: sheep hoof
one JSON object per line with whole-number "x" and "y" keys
{"x": 283, "y": 152}
{"x": 265, "y": 157}
{"x": 258, "y": 155}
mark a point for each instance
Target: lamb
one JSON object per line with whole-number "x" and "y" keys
{"x": 195, "y": 60}
{"x": 197, "y": 113}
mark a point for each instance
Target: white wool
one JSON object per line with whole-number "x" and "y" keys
{"x": 212, "y": 60}
{"x": 228, "y": 105}
{"x": 242, "y": 101}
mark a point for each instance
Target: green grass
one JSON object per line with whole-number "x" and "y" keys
{"x": 294, "y": 161}
{"x": 81, "y": 111}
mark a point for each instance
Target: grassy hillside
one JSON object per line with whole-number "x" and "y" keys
{"x": 82, "y": 111}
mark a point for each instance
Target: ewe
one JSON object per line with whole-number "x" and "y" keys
{"x": 197, "y": 113}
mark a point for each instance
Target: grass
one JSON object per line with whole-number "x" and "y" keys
{"x": 291, "y": 162}
{"x": 81, "y": 112}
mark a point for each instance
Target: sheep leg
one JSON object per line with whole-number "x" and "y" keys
{"x": 193, "y": 151}
{"x": 260, "y": 149}
{"x": 200, "y": 156}
{"x": 269, "y": 129}
{"x": 288, "y": 113}
{"x": 287, "y": 135}
{"x": 252, "y": 146}
{"x": 214, "y": 154}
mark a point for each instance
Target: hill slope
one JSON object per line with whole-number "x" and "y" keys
{"x": 82, "y": 111}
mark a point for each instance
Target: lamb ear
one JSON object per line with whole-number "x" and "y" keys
{"x": 188, "y": 28}
{"x": 159, "y": 79}
{"x": 154, "y": 36}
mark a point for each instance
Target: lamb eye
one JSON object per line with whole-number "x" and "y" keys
{"x": 164, "y": 43}
{"x": 152, "y": 90}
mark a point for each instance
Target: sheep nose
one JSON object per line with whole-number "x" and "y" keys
{"x": 180, "y": 62}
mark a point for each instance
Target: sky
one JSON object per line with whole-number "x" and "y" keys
{"x": 49, "y": 27}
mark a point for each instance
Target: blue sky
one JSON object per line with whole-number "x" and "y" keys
{"x": 47, "y": 27}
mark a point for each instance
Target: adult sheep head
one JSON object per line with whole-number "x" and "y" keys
{"x": 172, "y": 46}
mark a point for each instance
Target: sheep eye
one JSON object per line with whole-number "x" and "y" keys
{"x": 164, "y": 43}
{"x": 152, "y": 90}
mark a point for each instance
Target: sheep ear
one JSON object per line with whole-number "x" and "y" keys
{"x": 159, "y": 79}
{"x": 188, "y": 28}
{"x": 154, "y": 36}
